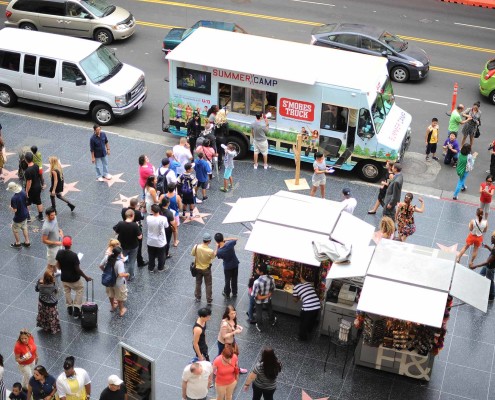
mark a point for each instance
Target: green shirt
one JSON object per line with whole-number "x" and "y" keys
{"x": 455, "y": 121}
{"x": 461, "y": 164}
{"x": 37, "y": 159}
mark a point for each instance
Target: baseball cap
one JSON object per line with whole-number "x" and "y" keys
{"x": 114, "y": 380}
{"x": 14, "y": 187}
{"x": 206, "y": 237}
{"x": 346, "y": 191}
{"x": 67, "y": 241}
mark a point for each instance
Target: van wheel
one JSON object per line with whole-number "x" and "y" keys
{"x": 400, "y": 74}
{"x": 370, "y": 171}
{"x": 240, "y": 146}
{"x": 7, "y": 97}
{"x": 103, "y": 115}
{"x": 103, "y": 36}
{"x": 28, "y": 26}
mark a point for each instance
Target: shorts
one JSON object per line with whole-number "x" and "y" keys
{"x": 177, "y": 220}
{"x": 227, "y": 173}
{"x": 118, "y": 293}
{"x": 51, "y": 253}
{"x": 477, "y": 241}
{"x": 320, "y": 182}
{"x": 187, "y": 199}
{"x": 34, "y": 197}
{"x": 19, "y": 226}
{"x": 431, "y": 148}
{"x": 485, "y": 207}
{"x": 202, "y": 185}
{"x": 260, "y": 147}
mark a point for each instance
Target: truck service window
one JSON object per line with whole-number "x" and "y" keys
{"x": 193, "y": 80}
{"x": 247, "y": 101}
{"x": 333, "y": 117}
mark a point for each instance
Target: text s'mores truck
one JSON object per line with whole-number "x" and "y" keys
{"x": 343, "y": 102}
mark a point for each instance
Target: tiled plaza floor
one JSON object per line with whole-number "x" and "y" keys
{"x": 161, "y": 306}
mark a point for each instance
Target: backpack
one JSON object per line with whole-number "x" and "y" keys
{"x": 108, "y": 277}
{"x": 161, "y": 181}
{"x": 185, "y": 187}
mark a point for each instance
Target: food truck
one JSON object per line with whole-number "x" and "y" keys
{"x": 342, "y": 102}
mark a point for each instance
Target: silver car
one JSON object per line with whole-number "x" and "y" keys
{"x": 94, "y": 19}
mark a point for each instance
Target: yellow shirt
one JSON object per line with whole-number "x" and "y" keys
{"x": 204, "y": 256}
{"x": 433, "y": 134}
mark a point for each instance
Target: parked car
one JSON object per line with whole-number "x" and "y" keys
{"x": 94, "y": 19}
{"x": 487, "y": 81}
{"x": 405, "y": 61}
{"x": 177, "y": 35}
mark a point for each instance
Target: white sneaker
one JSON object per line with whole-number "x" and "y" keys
{"x": 57, "y": 272}
{"x": 100, "y": 179}
{"x": 108, "y": 176}
{"x": 255, "y": 166}
{"x": 198, "y": 201}
{"x": 266, "y": 166}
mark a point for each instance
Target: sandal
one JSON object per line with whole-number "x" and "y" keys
{"x": 16, "y": 245}
{"x": 371, "y": 212}
{"x": 26, "y": 244}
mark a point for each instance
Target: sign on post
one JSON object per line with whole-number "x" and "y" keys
{"x": 138, "y": 373}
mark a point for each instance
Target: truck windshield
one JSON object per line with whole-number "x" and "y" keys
{"x": 99, "y": 8}
{"x": 383, "y": 104}
{"x": 101, "y": 65}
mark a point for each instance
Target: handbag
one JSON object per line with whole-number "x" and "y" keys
{"x": 477, "y": 134}
{"x": 192, "y": 267}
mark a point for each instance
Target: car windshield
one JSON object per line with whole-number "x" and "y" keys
{"x": 101, "y": 65}
{"x": 383, "y": 104}
{"x": 393, "y": 41}
{"x": 99, "y": 8}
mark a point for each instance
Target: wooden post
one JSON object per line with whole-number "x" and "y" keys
{"x": 297, "y": 157}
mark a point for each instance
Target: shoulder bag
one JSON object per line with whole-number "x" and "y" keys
{"x": 192, "y": 267}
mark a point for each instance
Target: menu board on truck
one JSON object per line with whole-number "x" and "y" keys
{"x": 138, "y": 373}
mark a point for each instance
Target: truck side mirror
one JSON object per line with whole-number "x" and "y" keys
{"x": 80, "y": 81}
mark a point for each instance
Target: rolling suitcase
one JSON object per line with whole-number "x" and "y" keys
{"x": 89, "y": 309}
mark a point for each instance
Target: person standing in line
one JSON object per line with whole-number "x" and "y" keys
{"x": 226, "y": 370}
{"x": 156, "y": 238}
{"x": 465, "y": 164}
{"x": 117, "y": 292}
{"x": 491, "y": 149}
{"x": 169, "y": 214}
{"x": 51, "y": 236}
{"x": 3, "y": 390}
{"x": 199, "y": 335}
{"x": 488, "y": 269}
{"x": 174, "y": 164}
{"x": 3, "y": 157}
{"x": 116, "y": 390}
{"x": 263, "y": 289}
{"x": 193, "y": 130}
{"x": 33, "y": 185}
{"x": 151, "y": 195}
{"x": 197, "y": 378}
{"x": 405, "y": 216}
{"x": 311, "y": 306}
{"x": 57, "y": 182}
{"x": 100, "y": 150}
{"x": 451, "y": 150}
{"x": 21, "y": 213}
{"x": 129, "y": 235}
{"x": 349, "y": 201}
{"x": 202, "y": 170}
{"x": 252, "y": 301}
{"x": 204, "y": 256}
{"x": 26, "y": 356}
{"x": 186, "y": 185}
{"x": 165, "y": 176}
{"x": 456, "y": 120}
{"x": 264, "y": 376}
{"x": 175, "y": 206}
{"x": 226, "y": 252}
{"x": 260, "y": 142}
{"x": 146, "y": 169}
{"x": 73, "y": 383}
{"x": 431, "y": 139}
{"x": 319, "y": 180}
{"x": 477, "y": 227}
{"x": 71, "y": 277}
{"x": 394, "y": 192}
{"x": 47, "y": 303}
{"x": 182, "y": 154}
{"x": 228, "y": 160}
{"x": 486, "y": 194}
{"x": 472, "y": 123}
{"x": 38, "y": 160}
{"x": 228, "y": 329}
{"x": 41, "y": 385}
{"x": 138, "y": 218}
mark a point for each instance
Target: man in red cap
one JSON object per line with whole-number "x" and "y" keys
{"x": 71, "y": 277}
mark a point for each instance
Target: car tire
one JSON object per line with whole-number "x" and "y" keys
{"x": 102, "y": 115}
{"x": 400, "y": 74}
{"x": 28, "y": 26}
{"x": 369, "y": 170}
{"x": 7, "y": 97}
{"x": 104, "y": 36}
{"x": 491, "y": 97}
{"x": 240, "y": 145}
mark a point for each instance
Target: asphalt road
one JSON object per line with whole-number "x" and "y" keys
{"x": 458, "y": 39}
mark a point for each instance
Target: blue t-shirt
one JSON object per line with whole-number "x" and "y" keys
{"x": 18, "y": 202}
{"x": 227, "y": 254}
{"x": 41, "y": 391}
{"x": 173, "y": 165}
{"x": 202, "y": 169}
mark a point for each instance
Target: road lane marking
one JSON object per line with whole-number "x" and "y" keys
{"x": 455, "y": 72}
{"x": 409, "y": 98}
{"x": 435, "y": 102}
{"x": 153, "y": 25}
{"x": 448, "y": 44}
{"x": 474, "y": 26}
{"x": 314, "y": 2}
{"x": 425, "y": 101}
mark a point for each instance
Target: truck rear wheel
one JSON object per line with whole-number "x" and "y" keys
{"x": 370, "y": 171}
{"x": 7, "y": 97}
{"x": 241, "y": 147}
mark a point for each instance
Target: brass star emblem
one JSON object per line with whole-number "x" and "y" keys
{"x": 124, "y": 200}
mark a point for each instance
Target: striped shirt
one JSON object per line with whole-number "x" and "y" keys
{"x": 262, "y": 286}
{"x": 307, "y": 293}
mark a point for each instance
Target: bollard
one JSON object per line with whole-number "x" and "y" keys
{"x": 454, "y": 97}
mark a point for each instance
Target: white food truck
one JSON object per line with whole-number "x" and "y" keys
{"x": 342, "y": 102}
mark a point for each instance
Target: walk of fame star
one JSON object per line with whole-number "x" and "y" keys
{"x": 114, "y": 179}
{"x": 448, "y": 249}
{"x": 124, "y": 200}
{"x": 8, "y": 175}
{"x": 48, "y": 167}
{"x": 306, "y": 396}
{"x": 197, "y": 217}
{"x": 70, "y": 187}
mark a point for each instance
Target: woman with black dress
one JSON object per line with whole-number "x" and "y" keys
{"x": 193, "y": 130}
{"x": 57, "y": 186}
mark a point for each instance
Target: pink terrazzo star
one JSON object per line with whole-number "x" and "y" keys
{"x": 124, "y": 200}
{"x": 70, "y": 187}
{"x": 114, "y": 179}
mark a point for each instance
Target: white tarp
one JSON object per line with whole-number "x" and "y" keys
{"x": 246, "y": 209}
{"x": 470, "y": 287}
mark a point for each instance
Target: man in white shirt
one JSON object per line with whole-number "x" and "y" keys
{"x": 350, "y": 202}
{"x": 156, "y": 239}
{"x": 182, "y": 154}
{"x": 196, "y": 379}
{"x": 73, "y": 383}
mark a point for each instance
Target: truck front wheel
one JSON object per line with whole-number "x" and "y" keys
{"x": 370, "y": 171}
{"x": 241, "y": 146}
{"x": 102, "y": 115}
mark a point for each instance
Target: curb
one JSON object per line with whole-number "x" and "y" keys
{"x": 478, "y": 3}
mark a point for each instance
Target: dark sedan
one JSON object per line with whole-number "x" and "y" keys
{"x": 405, "y": 61}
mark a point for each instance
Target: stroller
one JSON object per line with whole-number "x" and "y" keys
{"x": 22, "y": 163}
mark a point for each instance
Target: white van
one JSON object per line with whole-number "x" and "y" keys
{"x": 68, "y": 74}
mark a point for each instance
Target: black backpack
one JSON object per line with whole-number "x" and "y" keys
{"x": 161, "y": 181}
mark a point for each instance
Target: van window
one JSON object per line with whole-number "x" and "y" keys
{"x": 51, "y": 8}
{"x": 29, "y": 64}
{"x": 333, "y": 117}
{"x": 10, "y": 60}
{"x": 247, "y": 101}
{"x": 99, "y": 8}
{"x": 76, "y": 11}
{"x": 26, "y": 5}
{"x": 193, "y": 80}
{"x": 70, "y": 72}
{"x": 47, "y": 67}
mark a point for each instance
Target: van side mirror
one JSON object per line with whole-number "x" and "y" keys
{"x": 80, "y": 81}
